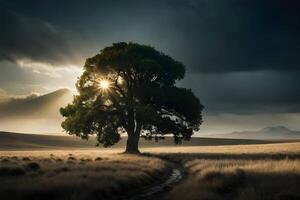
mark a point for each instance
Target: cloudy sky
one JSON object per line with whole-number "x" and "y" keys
{"x": 242, "y": 57}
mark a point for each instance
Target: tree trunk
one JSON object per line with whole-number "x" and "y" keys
{"x": 132, "y": 143}
{"x": 133, "y": 131}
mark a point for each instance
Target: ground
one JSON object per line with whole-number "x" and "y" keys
{"x": 262, "y": 171}
{"x": 76, "y": 174}
{"x": 255, "y": 172}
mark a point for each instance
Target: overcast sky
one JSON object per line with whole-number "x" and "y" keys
{"x": 242, "y": 57}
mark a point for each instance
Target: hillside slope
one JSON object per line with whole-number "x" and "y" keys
{"x": 46, "y": 106}
{"x": 18, "y": 141}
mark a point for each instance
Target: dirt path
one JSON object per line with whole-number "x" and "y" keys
{"x": 157, "y": 191}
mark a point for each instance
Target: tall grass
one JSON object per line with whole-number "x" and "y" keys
{"x": 263, "y": 173}
{"x": 75, "y": 176}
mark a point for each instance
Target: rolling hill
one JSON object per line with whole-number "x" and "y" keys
{"x": 18, "y": 141}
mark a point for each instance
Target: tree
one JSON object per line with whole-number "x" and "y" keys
{"x": 130, "y": 88}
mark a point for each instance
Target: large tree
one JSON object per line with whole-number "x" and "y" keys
{"x": 130, "y": 88}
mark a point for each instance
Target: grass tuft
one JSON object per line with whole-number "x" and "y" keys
{"x": 26, "y": 159}
{"x": 33, "y": 166}
{"x": 98, "y": 159}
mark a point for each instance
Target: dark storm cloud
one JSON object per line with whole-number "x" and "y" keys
{"x": 23, "y": 37}
{"x": 247, "y": 92}
{"x": 209, "y": 36}
{"x": 241, "y": 56}
{"x": 245, "y": 35}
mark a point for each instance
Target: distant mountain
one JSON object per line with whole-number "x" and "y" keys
{"x": 276, "y": 132}
{"x": 33, "y": 106}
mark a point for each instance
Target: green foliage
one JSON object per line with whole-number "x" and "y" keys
{"x": 142, "y": 98}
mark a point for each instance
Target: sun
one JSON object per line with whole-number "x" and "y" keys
{"x": 104, "y": 84}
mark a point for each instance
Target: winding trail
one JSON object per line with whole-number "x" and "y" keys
{"x": 156, "y": 191}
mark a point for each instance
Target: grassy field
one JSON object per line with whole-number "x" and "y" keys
{"x": 18, "y": 141}
{"x": 255, "y": 172}
{"x": 76, "y": 175}
{"x": 239, "y": 171}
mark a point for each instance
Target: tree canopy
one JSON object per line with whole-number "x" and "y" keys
{"x": 130, "y": 88}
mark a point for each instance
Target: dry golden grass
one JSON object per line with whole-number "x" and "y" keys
{"x": 241, "y": 172}
{"x": 244, "y": 172}
{"x": 282, "y": 148}
{"x": 75, "y": 175}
